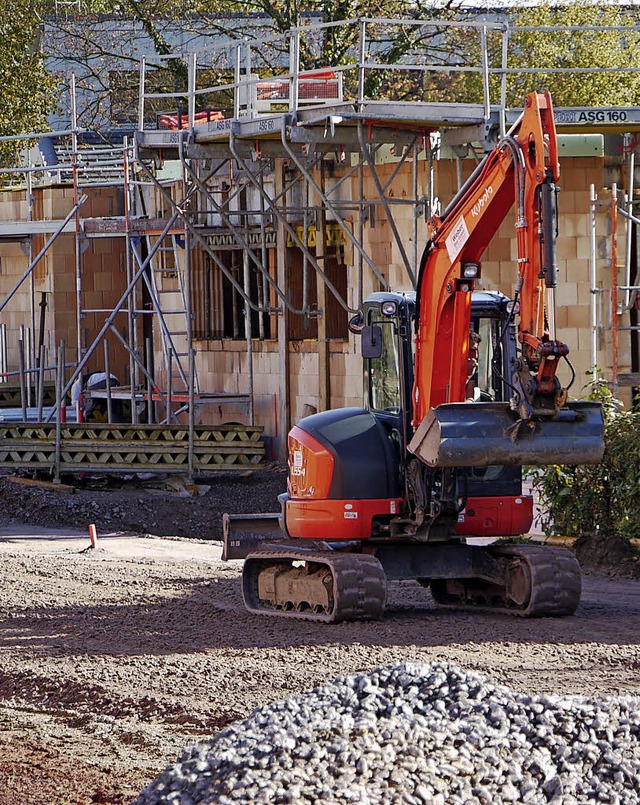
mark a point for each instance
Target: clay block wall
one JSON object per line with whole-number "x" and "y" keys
{"x": 222, "y": 366}
{"x": 573, "y": 294}
{"x": 499, "y": 273}
{"x": 14, "y": 261}
{"x": 102, "y": 267}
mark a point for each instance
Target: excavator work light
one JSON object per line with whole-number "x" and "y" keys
{"x": 389, "y": 308}
{"x": 470, "y": 271}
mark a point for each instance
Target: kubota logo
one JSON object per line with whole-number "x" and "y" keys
{"x": 477, "y": 207}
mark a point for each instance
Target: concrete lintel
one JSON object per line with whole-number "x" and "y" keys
{"x": 118, "y": 225}
{"x": 18, "y": 229}
{"x": 330, "y": 137}
{"x": 466, "y": 135}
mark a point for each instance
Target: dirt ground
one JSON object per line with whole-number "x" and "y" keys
{"x": 114, "y": 658}
{"x": 160, "y": 506}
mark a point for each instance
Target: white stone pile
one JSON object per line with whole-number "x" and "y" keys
{"x": 415, "y": 734}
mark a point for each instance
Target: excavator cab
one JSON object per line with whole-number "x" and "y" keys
{"x": 495, "y": 504}
{"x": 386, "y": 345}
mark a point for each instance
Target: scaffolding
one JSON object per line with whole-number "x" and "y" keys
{"x": 265, "y": 159}
{"x": 271, "y": 118}
{"x": 614, "y": 309}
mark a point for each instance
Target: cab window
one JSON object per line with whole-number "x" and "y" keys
{"x": 484, "y": 385}
{"x": 384, "y": 372}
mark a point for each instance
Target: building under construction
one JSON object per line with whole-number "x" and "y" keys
{"x": 210, "y": 260}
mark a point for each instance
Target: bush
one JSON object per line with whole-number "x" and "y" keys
{"x": 597, "y": 500}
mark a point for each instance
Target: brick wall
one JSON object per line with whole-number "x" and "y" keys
{"x": 222, "y": 366}
{"x": 103, "y": 277}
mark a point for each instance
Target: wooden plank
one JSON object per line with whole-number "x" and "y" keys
{"x": 130, "y": 448}
{"x": 14, "y": 479}
{"x": 324, "y": 374}
{"x": 284, "y": 398}
{"x": 629, "y": 379}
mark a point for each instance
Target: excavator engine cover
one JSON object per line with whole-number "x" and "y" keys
{"x": 478, "y": 434}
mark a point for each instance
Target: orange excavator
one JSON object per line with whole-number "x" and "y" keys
{"x": 404, "y": 487}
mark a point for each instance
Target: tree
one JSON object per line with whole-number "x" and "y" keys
{"x": 598, "y": 38}
{"x": 28, "y": 91}
{"x": 104, "y": 42}
{"x": 594, "y": 35}
{"x": 95, "y": 50}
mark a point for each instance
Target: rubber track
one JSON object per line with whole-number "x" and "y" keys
{"x": 556, "y": 582}
{"x": 359, "y": 584}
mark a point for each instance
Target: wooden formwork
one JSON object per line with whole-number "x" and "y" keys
{"x": 129, "y": 448}
{"x": 11, "y": 395}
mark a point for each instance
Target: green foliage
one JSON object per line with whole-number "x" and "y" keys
{"x": 28, "y": 92}
{"x": 546, "y": 36}
{"x": 597, "y": 500}
{"x": 534, "y": 42}
{"x": 337, "y": 45}
{"x": 248, "y": 21}
{"x": 579, "y": 48}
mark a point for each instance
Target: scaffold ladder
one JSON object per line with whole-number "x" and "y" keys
{"x": 173, "y": 307}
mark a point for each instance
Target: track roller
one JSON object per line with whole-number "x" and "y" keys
{"x": 538, "y": 581}
{"x": 322, "y": 586}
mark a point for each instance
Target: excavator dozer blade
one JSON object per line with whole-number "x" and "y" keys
{"x": 479, "y": 434}
{"x": 244, "y": 533}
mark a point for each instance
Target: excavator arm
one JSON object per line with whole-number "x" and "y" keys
{"x": 537, "y": 425}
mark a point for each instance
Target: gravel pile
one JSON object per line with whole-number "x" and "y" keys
{"x": 416, "y": 734}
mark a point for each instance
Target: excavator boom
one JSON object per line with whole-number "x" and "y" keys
{"x": 538, "y": 426}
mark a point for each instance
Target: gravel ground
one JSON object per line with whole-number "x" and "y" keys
{"x": 116, "y": 658}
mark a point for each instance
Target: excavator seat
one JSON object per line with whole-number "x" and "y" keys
{"x": 476, "y": 434}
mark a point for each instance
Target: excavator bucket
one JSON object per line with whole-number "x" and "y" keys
{"x": 477, "y": 434}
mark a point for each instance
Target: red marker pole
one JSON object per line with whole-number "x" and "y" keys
{"x": 93, "y": 536}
